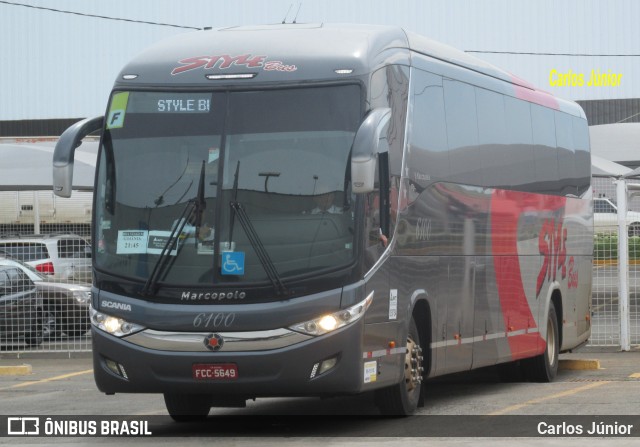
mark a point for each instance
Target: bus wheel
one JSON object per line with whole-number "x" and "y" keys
{"x": 187, "y": 407}
{"x": 402, "y": 399}
{"x": 544, "y": 367}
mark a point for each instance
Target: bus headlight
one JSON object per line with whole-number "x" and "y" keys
{"x": 113, "y": 325}
{"x": 331, "y": 322}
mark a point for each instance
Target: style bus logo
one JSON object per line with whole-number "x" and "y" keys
{"x": 225, "y": 61}
{"x": 552, "y": 244}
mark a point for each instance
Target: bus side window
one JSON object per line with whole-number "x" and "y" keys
{"x": 462, "y": 133}
{"x": 545, "y": 152}
{"x": 566, "y": 153}
{"x": 583, "y": 162}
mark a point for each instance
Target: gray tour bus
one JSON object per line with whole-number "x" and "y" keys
{"x": 321, "y": 210}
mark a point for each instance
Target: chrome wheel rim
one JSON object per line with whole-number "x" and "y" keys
{"x": 551, "y": 342}
{"x": 413, "y": 368}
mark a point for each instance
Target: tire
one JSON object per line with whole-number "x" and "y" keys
{"x": 76, "y": 331}
{"x": 35, "y": 335}
{"x": 50, "y": 323}
{"x": 544, "y": 367}
{"x": 187, "y": 407}
{"x": 511, "y": 372}
{"x": 403, "y": 398}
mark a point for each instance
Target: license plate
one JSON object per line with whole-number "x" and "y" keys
{"x": 218, "y": 371}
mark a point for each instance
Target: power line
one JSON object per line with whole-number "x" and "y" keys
{"x": 61, "y": 11}
{"x": 551, "y": 54}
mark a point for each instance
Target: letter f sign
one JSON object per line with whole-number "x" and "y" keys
{"x": 116, "y": 119}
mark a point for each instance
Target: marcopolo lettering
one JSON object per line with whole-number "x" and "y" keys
{"x": 114, "y": 305}
{"x": 212, "y": 296}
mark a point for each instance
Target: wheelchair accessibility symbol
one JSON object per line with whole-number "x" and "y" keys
{"x": 233, "y": 263}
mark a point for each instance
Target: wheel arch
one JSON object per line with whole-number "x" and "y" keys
{"x": 554, "y": 296}
{"x": 421, "y": 312}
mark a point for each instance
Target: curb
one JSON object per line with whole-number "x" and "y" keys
{"x": 19, "y": 370}
{"x": 579, "y": 364}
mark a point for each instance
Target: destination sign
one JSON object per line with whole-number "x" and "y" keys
{"x": 169, "y": 103}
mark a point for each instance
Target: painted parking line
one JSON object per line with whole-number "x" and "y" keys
{"x": 50, "y": 379}
{"x": 579, "y": 364}
{"x": 549, "y": 397}
{"x": 15, "y": 370}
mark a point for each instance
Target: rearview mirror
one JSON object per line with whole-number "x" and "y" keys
{"x": 64, "y": 152}
{"x": 370, "y": 140}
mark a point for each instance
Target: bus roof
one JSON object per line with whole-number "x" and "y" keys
{"x": 300, "y": 52}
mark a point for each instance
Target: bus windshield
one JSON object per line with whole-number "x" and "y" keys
{"x": 228, "y": 185}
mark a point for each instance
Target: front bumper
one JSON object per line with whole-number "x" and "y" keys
{"x": 281, "y": 371}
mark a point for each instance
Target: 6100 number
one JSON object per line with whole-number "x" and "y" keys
{"x": 214, "y": 320}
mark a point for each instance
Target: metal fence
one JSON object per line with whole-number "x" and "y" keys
{"x": 45, "y": 272}
{"x": 607, "y": 322}
{"x": 44, "y": 251}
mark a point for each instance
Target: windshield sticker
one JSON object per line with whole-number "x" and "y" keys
{"x": 157, "y": 242}
{"x": 226, "y": 61}
{"x": 233, "y": 263}
{"x": 115, "y": 119}
{"x": 132, "y": 242}
{"x": 214, "y": 154}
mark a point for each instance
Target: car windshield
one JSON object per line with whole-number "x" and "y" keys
{"x": 227, "y": 176}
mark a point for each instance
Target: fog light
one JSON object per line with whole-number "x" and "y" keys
{"x": 113, "y": 366}
{"x": 327, "y": 365}
{"x": 116, "y": 368}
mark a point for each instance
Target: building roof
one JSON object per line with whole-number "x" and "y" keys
{"x": 617, "y": 142}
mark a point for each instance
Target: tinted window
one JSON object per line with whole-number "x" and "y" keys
{"x": 73, "y": 248}
{"x": 545, "y": 152}
{"x": 566, "y": 153}
{"x": 25, "y": 251}
{"x": 583, "y": 158}
{"x": 462, "y": 133}
{"x": 429, "y": 148}
{"x": 504, "y": 131}
{"x": 18, "y": 280}
{"x": 389, "y": 87}
{"x": 520, "y": 139}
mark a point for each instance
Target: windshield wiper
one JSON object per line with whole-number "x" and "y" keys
{"x": 254, "y": 239}
{"x": 194, "y": 206}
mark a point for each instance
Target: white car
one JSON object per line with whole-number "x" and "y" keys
{"x": 605, "y": 217}
{"x": 63, "y": 257}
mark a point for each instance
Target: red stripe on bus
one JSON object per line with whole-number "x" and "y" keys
{"x": 533, "y": 95}
{"x": 506, "y": 209}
